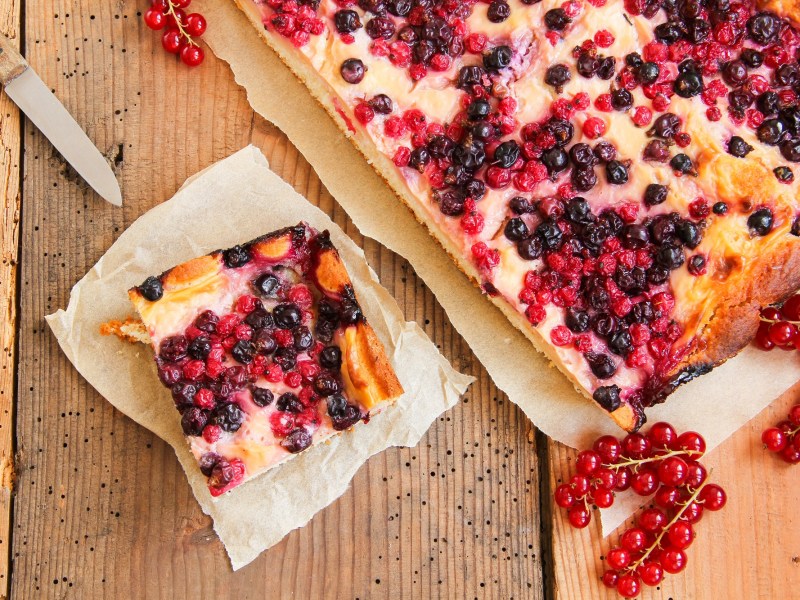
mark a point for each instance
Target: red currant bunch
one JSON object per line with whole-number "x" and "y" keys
{"x": 784, "y": 439}
{"x": 660, "y": 462}
{"x": 657, "y": 543}
{"x": 180, "y": 30}
{"x": 779, "y": 326}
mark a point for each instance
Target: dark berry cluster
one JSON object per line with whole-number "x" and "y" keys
{"x": 661, "y": 464}
{"x": 784, "y": 439}
{"x": 182, "y": 30}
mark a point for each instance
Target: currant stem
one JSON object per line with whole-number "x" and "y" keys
{"x": 181, "y": 30}
{"x": 635, "y": 565}
{"x": 631, "y": 462}
{"x": 771, "y": 321}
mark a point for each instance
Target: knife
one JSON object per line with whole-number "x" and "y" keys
{"x": 34, "y": 98}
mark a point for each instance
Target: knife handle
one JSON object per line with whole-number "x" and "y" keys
{"x": 12, "y": 64}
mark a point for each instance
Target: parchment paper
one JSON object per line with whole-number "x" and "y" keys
{"x": 716, "y": 405}
{"x": 235, "y": 200}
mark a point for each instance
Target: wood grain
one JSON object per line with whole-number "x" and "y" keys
{"x": 10, "y": 153}
{"x": 750, "y": 549}
{"x": 103, "y": 509}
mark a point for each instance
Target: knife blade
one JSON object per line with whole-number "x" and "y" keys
{"x": 35, "y": 99}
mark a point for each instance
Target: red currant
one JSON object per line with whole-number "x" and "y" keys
{"x": 791, "y": 454}
{"x": 662, "y": 435}
{"x": 196, "y": 24}
{"x": 673, "y": 471}
{"x": 579, "y": 516}
{"x": 673, "y": 561}
{"x": 794, "y": 415}
{"x": 635, "y": 445}
{"x": 564, "y": 496}
{"x": 587, "y": 462}
{"x": 609, "y": 579}
{"x": 605, "y": 478}
{"x": 580, "y": 484}
{"x": 618, "y": 558}
{"x": 652, "y": 520}
{"x": 713, "y": 497}
{"x": 602, "y": 498}
{"x": 763, "y": 339}
{"x": 651, "y": 572}
{"x": 172, "y": 41}
{"x": 770, "y": 313}
{"x": 628, "y": 586}
{"x": 791, "y": 308}
{"x": 774, "y": 439}
{"x": 667, "y": 496}
{"x": 624, "y": 477}
{"x": 693, "y": 512}
{"x": 155, "y": 19}
{"x": 692, "y": 442}
{"x": 633, "y": 540}
{"x": 644, "y": 483}
{"x": 609, "y": 449}
{"x": 680, "y": 535}
{"x": 192, "y": 56}
{"x": 782, "y": 333}
{"x": 696, "y": 474}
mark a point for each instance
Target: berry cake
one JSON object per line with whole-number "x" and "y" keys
{"x": 616, "y": 175}
{"x": 265, "y": 349}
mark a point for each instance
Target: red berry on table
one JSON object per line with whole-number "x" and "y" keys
{"x": 633, "y": 540}
{"x": 564, "y": 496}
{"x": 713, "y": 497}
{"x": 192, "y": 55}
{"x": 696, "y": 474}
{"x": 587, "y": 462}
{"x": 770, "y": 313}
{"x": 580, "y": 484}
{"x": 618, "y": 558}
{"x": 579, "y": 516}
{"x": 693, "y": 512}
{"x": 791, "y": 454}
{"x": 628, "y": 586}
{"x": 791, "y": 308}
{"x": 196, "y": 24}
{"x": 692, "y": 442}
{"x": 651, "y": 572}
{"x": 172, "y": 41}
{"x": 609, "y": 448}
{"x": 644, "y": 483}
{"x": 602, "y": 498}
{"x": 605, "y": 478}
{"x": 635, "y": 445}
{"x": 774, "y": 439}
{"x": 624, "y": 477}
{"x": 763, "y": 339}
{"x": 667, "y": 496}
{"x": 673, "y": 471}
{"x": 652, "y": 520}
{"x": 673, "y": 561}
{"x": 680, "y": 535}
{"x": 155, "y": 19}
{"x": 610, "y": 579}
{"x": 794, "y": 415}
{"x": 662, "y": 435}
{"x": 782, "y": 333}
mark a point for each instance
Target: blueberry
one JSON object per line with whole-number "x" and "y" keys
{"x": 607, "y": 396}
{"x": 719, "y": 208}
{"x": 346, "y": 21}
{"x": 605, "y": 151}
{"x": 331, "y": 358}
{"x": 206, "y": 321}
{"x": 530, "y": 248}
{"x": 348, "y": 417}
{"x": 581, "y": 154}
{"x": 326, "y": 384}
{"x": 577, "y": 320}
{"x": 621, "y": 99}
{"x": 419, "y": 158}
{"x": 286, "y": 315}
{"x": 207, "y": 462}
{"x": 621, "y": 343}
{"x": 738, "y": 147}
{"x": 669, "y": 256}
{"x": 289, "y": 402}
{"x": 297, "y": 441}
{"x": 352, "y": 70}
{"x": 555, "y": 159}
{"x": 199, "y": 347}
{"x": 471, "y": 156}
{"x": 635, "y": 236}
{"x": 668, "y": 33}
{"x": 498, "y": 11}
{"x": 557, "y": 75}
{"x": 151, "y": 289}
{"x": 790, "y": 149}
{"x": 380, "y": 27}
{"x": 286, "y": 358}
{"x": 771, "y": 131}
{"x": 468, "y": 77}
{"x": 520, "y": 205}
{"x": 616, "y": 172}
{"x": 550, "y": 234}
{"x": 648, "y": 73}
{"x": 578, "y": 211}
{"x": 194, "y": 421}
{"x": 259, "y": 319}
{"x": 583, "y": 178}
{"x": 243, "y": 351}
{"x": 763, "y": 28}
{"x": 183, "y": 394}
{"x": 602, "y": 365}
{"x": 740, "y": 100}
{"x": 516, "y": 230}
{"x": 303, "y": 339}
{"x": 441, "y": 146}
{"x": 760, "y": 221}
{"x": 783, "y": 174}
{"x": 655, "y": 194}
{"x": 173, "y": 348}
{"x": 768, "y": 103}
{"x": 606, "y": 67}
{"x": 236, "y": 257}
{"x": 688, "y": 233}
{"x": 681, "y": 163}
{"x": 451, "y": 202}
{"x": 587, "y": 65}
{"x": 262, "y": 396}
{"x": 267, "y": 285}
{"x": 351, "y": 313}
{"x": 381, "y": 104}
{"x": 506, "y": 154}
{"x": 556, "y": 19}
{"x": 666, "y": 125}
{"x": 497, "y": 58}
{"x": 752, "y": 58}
{"x": 478, "y": 109}
{"x": 688, "y": 84}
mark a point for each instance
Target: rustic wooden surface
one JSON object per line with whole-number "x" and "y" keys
{"x": 101, "y": 507}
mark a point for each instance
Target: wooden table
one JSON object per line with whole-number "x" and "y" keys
{"x": 92, "y": 505}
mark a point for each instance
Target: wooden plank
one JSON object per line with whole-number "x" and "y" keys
{"x": 103, "y": 507}
{"x": 750, "y": 549}
{"x": 10, "y": 145}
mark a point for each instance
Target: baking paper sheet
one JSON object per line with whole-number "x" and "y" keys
{"x": 716, "y": 404}
{"x": 246, "y": 200}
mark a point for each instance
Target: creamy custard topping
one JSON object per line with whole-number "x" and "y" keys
{"x": 684, "y": 205}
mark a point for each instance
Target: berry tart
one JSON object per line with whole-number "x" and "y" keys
{"x": 616, "y": 175}
{"x": 265, "y": 350}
